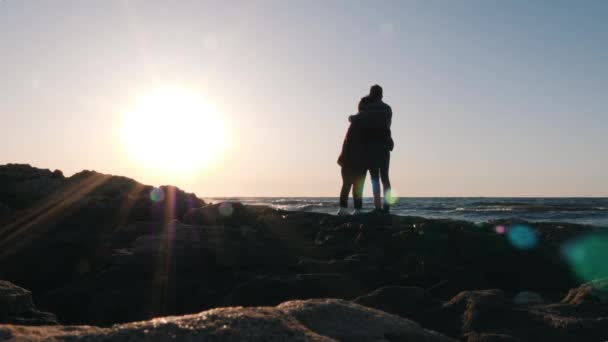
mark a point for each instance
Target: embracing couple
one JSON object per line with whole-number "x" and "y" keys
{"x": 367, "y": 147}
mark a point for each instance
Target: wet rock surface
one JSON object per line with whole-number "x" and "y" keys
{"x": 100, "y": 250}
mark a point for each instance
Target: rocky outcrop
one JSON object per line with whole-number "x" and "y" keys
{"x": 490, "y": 315}
{"x": 90, "y": 193}
{"x": 99, "y": 249}
{"x": 412, "y": 302}
{"x": 312, "y": 320}
{"x": 593, "y": 294}
{"x": 58, "y": 229}
{"x": 17, "y": 307}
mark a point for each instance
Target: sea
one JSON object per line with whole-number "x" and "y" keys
{"x": 590, "y": 211}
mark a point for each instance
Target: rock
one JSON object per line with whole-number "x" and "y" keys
{"x": 228, "y": 324}
{"x": 347, "y": 321}
{"x": 206, "y": 215}
{"x": 528, "y": 298}
{"x": 101, "y": 249}
{"x": 22, "y": 185}
{"x": 5, "y": 210}
{"x": 272, "y": 290}
{"x": 17, "y": 307}
{"x": 57, "y": 174}
{"x": 409, "y": 302}
{"x": 61, "y": 224}
{"x": 485, "y": 337}
{"x": 320, "y": 320}
{"x": 592, "y": 293}
{"x": 490, "y": 311}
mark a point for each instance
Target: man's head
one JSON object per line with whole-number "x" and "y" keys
{"x": 375, "y": 92}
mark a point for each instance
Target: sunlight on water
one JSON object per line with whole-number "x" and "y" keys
{"x": 592, "y": 211}
{"x": 522, "y": 237}
{"x": 587, "y": 257}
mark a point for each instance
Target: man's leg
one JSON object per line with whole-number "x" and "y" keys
{"x": 386, "y": 183}
{"x": 358, "y": 188}
{"x": 374, "y": 174}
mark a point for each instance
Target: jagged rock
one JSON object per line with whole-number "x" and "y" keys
{"x": 62, "y": 223}
{"x": 409, "y": 302}
{"x": 231, "y": 213}
{"x": 5, "y": 210}
{"x": 491, "y": 312}
{"x": 101, "y": 249}
{"x": 272, "y": 290}
{"x": 322, "y": 320}
{"x": 528, "y": 298}
{"x": 206, "y": 215}
{"x": 592, "y": 293}
{"x": 17, "y": 307}
{"x": 22, "y": 185}
{"x": 485, "y": 337}
{"x": 346, "y": 321}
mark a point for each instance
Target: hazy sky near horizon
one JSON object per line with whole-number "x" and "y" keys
{"x": 490, "y": 98}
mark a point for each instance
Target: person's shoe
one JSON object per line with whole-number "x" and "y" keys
{"x": 358, "y": 212}
{"x": 385, "y": 209}
{"x": 343, "y": 212}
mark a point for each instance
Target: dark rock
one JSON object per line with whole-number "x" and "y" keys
{"x": 57, "y": 174}
{"x": 409, "y": 302}
{"x": 17, "y": 307}
{"x": 5, "y": 210}
{"x": 588, "y": 294}
{"x": 206, "y": 215}
{"x": 63, "y": 227}
{"x": 325, "y": 320}
{"x": 328, "y": 316}
{"x": 22, "y": 185}
{"x": 485, "y": 337}
{"x": 102, "y": 249}
{"x": 490, "y": 311}
{"x": 528, "y": 298}
{"x": 272, "y": 290}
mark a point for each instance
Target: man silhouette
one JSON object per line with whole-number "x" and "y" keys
{"x": 376, "y": 117}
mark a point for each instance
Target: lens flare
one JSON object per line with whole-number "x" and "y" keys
{"x": 500, "y": 229}
{"x": 226, "y": 209}
{"x": 157, "y": 195}
{"x": 391, "y": 197}
{"x": 587, "y": 257}
{"x": 522, "y": 237}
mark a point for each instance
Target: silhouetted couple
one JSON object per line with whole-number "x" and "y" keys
{"x": 367, "y": 147}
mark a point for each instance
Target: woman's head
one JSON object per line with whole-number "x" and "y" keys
{"x": 364, "y": 102}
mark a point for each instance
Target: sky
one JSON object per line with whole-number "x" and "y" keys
{"x": 489, "y": 98}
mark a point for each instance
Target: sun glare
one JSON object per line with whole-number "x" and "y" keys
{"x": 173, "y": 130}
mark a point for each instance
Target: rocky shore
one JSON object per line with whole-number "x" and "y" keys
{"x": 104, "y": 250}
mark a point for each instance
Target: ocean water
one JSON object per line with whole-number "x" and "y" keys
{"x": 593, "y": 211}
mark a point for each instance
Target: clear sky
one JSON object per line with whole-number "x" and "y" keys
{"x": 490, "y": 98}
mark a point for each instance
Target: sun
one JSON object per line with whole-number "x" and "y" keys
{"x": 173, "y": 130}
